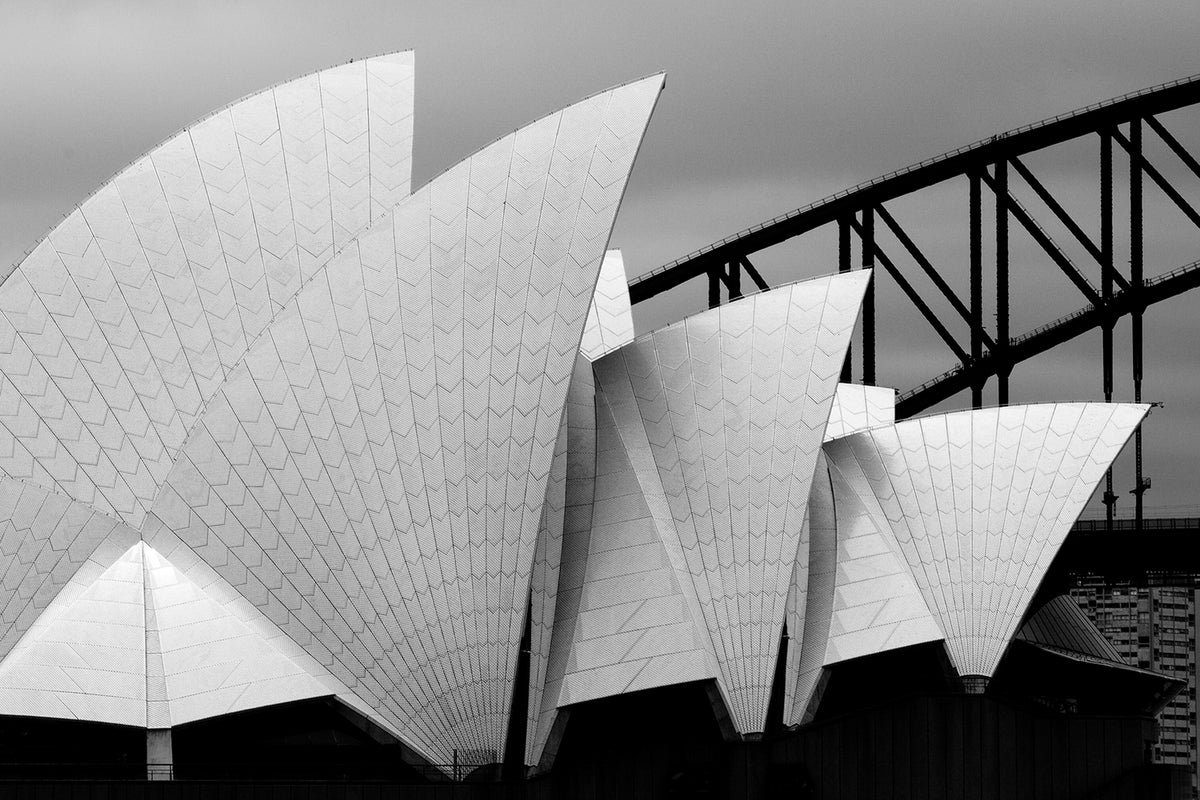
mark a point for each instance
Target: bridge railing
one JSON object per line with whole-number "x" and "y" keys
{"x": 1049, "y": 326}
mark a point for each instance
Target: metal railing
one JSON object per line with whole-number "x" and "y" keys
{"x": 1041, "y": 329}
{"x": 1126, "y": 524}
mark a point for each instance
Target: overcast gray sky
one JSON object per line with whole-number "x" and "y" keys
{"x": 768, "y": 106}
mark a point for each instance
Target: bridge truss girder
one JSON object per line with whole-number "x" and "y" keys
{"x": 990, "y": 167}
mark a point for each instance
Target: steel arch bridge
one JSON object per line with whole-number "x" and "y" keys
{"x": 1122, "y": 125}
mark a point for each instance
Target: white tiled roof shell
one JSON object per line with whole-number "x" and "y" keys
{"x": 627, "y": 616}
{"x": 1062, "y": 625}
{"x": 979, "y": 502}
{"x": 85, "y": 656}
{"x": 373, "y": 476}
{"x": 877, "y": 605}
{"x": 566, "y": 517}
{"x": 857, "y": 407}
{"x": 810, "y": 598}
{"x": 121, "y": 324}
{"x": 254, "y": 611}
{"x": 610, "y": 319}
{"x": 724, "y": 414}
{"x": 859, "y": 597}
{"x": 142, "y": 644}
{"x": 45, "y": 539}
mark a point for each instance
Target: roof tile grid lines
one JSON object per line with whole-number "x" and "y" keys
{"x": 631, "y": 626}
{"x": 734, "y": 485}
{"x": 212, "y": 661}
{"x": 980, "y": 501}
{"x": 877, "y": 605}
{"x": 610, "y": 318}
{"x": 120, "y": 325}
{"x": 184, "y": 652}
{"x": 618, "y": 399}
{"x": 284, "y": 514}
{"x": 390, "y": 128}
{"x": 289, "y": 428}
{"x": 810, "y": 599}
{"x": 1060, "y": 623}
{"x": 857, "y": 407}
{"x": 45, "y": 539}
{"x": 240, "y": 603}
{"x": 85, "y": 657}
{"x": 566, "y": 521}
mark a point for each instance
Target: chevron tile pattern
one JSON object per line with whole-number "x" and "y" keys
{"x": 46, "y": 539}
{"x": 610, "y": 319}
{"x": 857, "y": 407}
{"x": 732, "y": 404}
{"x": 978, "y": 503}
{"x": 375, "y": 471}
{"x": 122, "y": 324}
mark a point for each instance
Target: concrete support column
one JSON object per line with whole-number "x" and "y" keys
{"x": 160, "y": 760}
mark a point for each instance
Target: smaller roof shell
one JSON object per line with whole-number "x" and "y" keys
{"x": 721, "y": 417}
{"x": 857, "y": 407}
{"x": 610, "y": 319}
{"x": 978, "y": 503}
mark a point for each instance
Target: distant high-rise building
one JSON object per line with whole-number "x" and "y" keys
{"x": 1151, "y": 620}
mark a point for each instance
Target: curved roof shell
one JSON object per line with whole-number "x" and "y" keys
{"x": 978, "y": 503}
{"x": 373, "y": 475}
{"x": 721, "y": 417}
{"x": 120, "y": 325}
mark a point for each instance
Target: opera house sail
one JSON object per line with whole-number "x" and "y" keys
{"x": 274, "y": 428}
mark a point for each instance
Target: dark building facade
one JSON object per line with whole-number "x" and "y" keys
{"x": 1142, "y": 596}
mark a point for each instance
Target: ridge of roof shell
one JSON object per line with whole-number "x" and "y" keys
{"x": 661, "y": 76}
{"x": 863, "y": 275}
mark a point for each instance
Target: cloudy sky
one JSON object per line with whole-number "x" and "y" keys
{"x": 768, "y": 106}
